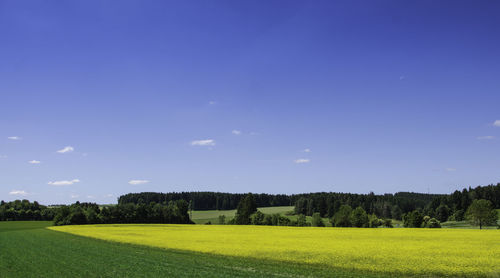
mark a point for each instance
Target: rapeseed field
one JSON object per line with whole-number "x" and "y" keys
{"x": 442, "y": 252}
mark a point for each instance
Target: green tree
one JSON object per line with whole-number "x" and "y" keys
{"x": 481, "y": 213}
{"x": 374, "y": 221}
{"x": 342, "y": 217}
{"x": 388, "y": 223}
{"x": 413, "y": 219}
{"x": 246, "y": 207}
{"x": 257, "y": 218}
{"x": 442, "y": 213}
{"x": 396, "y": 212}
{"x": 222, "y": 219}
{"x": 433, "y": 223}
{"x": 301, "y": 220}
{"x": 359, "y": 218}
{"x": 317, "y": 221}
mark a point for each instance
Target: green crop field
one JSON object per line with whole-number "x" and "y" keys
{"x": 204, "y": 216}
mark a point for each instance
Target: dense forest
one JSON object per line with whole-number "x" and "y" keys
{"x": 207, "y": 200}
{"x": 308, "y": 202}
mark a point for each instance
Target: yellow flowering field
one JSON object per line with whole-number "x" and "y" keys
{"x": 448, "y": 252}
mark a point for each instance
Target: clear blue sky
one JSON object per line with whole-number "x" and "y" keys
{"x": 239, "y": 96}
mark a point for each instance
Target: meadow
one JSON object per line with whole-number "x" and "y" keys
{"x": 390, "y": 252}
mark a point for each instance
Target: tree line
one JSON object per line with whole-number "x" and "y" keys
{"x": 173, "y": 212}
{"x": 207, "y": 200}
{"x": 23, "y": 210}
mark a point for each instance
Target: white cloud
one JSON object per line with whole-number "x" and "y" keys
{"x": 3, "y": 156}
{"x": 90, "y": 197}
{"x": 62, "y": 183}
{"x": 18, "y": 193}
{"x": 450, "y": 169}
{"x": 34, "y": 161}
{"x": 109, "y": 195}
{"x": 302, "y": 160}
{"x": 402, "y": 77}
{"x": 236, "y": 132}
{"x": 136, "y": 182}
{"x": 307, "y": 150}
{"x": 207, "y": 142}
{"x": 14, "y": 138}
{"x": 66, "y": 149}
{"x": 74, "y": 196}
{"x": 212, "y": 102}
{"x": 496, "y": 123}
{"x": 485, "y": 137}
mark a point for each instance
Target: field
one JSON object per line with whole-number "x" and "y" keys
{"x": 28, "y": 249}
{"x": 392, "y": 252}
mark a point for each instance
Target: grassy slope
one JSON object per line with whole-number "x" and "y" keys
{"x": 29, "y": 250}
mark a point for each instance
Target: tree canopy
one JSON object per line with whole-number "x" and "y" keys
{"x": 481, "y": 213}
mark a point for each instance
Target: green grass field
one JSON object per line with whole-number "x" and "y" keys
{"x": 28, "y": 249}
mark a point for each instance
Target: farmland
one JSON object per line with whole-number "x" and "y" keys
{"x": 28, "y": 249}
{"x": 401, "y": 252}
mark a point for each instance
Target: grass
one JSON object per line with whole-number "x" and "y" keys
{"x": 204, "y": 216}
{"x": 396, "y": 252}
{"x": 27, "y": 249}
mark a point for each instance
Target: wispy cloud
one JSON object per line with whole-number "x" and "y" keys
{"x": 74, "y": 196}
{"x": 14, "y": 138}
{"x": 62, "y": 183}
{"x": 34, "y": 161}
{"x": 18, "y": 193}
{"x": 402, "y": 77}
{"x": 3, "y": 156}
{"x": 496, "y": 123}
{"x": 302, "y": 160}
{"x": 236, "y": 132}
{"x": 136, "y": 182}
{"x": 450, "y": 169}
{"x": 212, "y": 102}
{"x": 485, "y": 137}
{"x": 307, "y": 150}
{"x": 66, "y": 149}
{"x": 207, "y": 142}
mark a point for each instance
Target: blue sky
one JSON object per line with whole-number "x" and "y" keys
{"x": 247, "y": 96}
